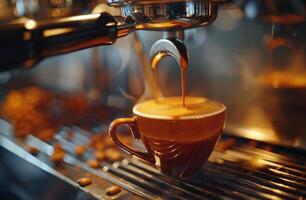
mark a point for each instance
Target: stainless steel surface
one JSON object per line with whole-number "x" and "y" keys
{"x": 238, "y": 169}
{"x": 24, "y": 42}
{"x": 122, "y": 2}
{"x": 32, "y": 36}
{"x": 169, "y": 47}
{"x": 169, "y": 15}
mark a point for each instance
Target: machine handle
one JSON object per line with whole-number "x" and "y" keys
{"x": 24, "y": 42}
{"x": 131, "y": 123}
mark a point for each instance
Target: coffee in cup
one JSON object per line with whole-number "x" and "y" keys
{"x": 179, "y": 139}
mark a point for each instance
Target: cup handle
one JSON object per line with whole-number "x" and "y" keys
{"x": 131, "y": 123}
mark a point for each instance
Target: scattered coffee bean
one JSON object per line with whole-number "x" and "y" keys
{"x": 99, "y": 146}
{"x": 32, "y": 150}
{"x": 57, "y": 156}
{"x": 112, "y": 154}
{"x": 84, "y": 181}
{"x": 58, "y": 148}
{"x": 113, "y": 190}
{"x": 93, "y": 163}
{"x": 94, "y": 139}
{"x": 100, "y": 155}
{"x": 79, "y": 150}
{"x": 46, "y": 134}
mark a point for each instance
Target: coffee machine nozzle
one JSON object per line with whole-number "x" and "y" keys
{"x": 24, "y": 42}
{"x": 168, "y": 15}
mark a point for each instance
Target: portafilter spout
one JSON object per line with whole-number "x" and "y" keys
{"x": 169, "y": 47}
{"x": 169, "y": 15}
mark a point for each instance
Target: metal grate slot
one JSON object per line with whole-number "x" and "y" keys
{"x": 171, "y": 190}
{"x": 183, "y": 185}
{"x": 265, "y": 179}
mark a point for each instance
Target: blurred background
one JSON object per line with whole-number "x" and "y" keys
{"x": 255, "y": 67}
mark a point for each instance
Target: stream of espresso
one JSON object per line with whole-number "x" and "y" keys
{"x": 183, "y": 67}
{"x": 183, "y": 75}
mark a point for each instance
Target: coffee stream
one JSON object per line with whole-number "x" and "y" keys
{"x": 183, "y": 76}
{"x": 183, "y": 65}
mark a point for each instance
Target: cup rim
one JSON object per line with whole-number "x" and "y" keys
{"x": 160, "y": 117}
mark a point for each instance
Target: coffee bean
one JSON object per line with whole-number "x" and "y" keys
{"x": 46, "y": 134}
{"x": 57, "y": 156}
{"x": 79, "y": 150}
{"x": 113, "y": 190}
{"x": 94, "y": 139}
{"x": 32, "y": 150}
{"x": 84, "y": 181}
{"x": 93, "y": 163}
{"x": 100, "y": 155}
{"x": 99, "y": 145}
{"x": 113, "y": 154}
{"x": 58, "y": 148}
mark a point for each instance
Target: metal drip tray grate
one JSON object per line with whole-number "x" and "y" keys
{"x": 241, "y": 172}
{"x": 237, "y": 169}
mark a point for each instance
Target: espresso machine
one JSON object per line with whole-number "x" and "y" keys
{"x": 69, "y": 67}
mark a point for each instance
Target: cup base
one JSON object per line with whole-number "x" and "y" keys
{"x": 181, "y": 159}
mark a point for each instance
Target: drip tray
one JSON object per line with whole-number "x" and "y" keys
{"x": 238, "y": 169}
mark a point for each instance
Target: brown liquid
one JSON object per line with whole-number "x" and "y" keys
{"x": 155, "y": 88}
{"x": 183, "y": 75}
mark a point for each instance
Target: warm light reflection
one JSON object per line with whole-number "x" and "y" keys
{"x": 30, "y": 24}
{"x": 285, "y": 79}
{"x": 284, "y": 19}
{"x": 110, "y": 24}
{"x": 57, "y": 31}
{"x": 80, "y": 17}
{"x": 268, "y": 135}
{"x": 259, "y": 134}
{"x": 257, "y": 162}
{"x": 294, "y": 73}
{"x": 159, "y": 25}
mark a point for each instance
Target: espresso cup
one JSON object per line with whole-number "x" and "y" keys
{"x": 178, "y": 139}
